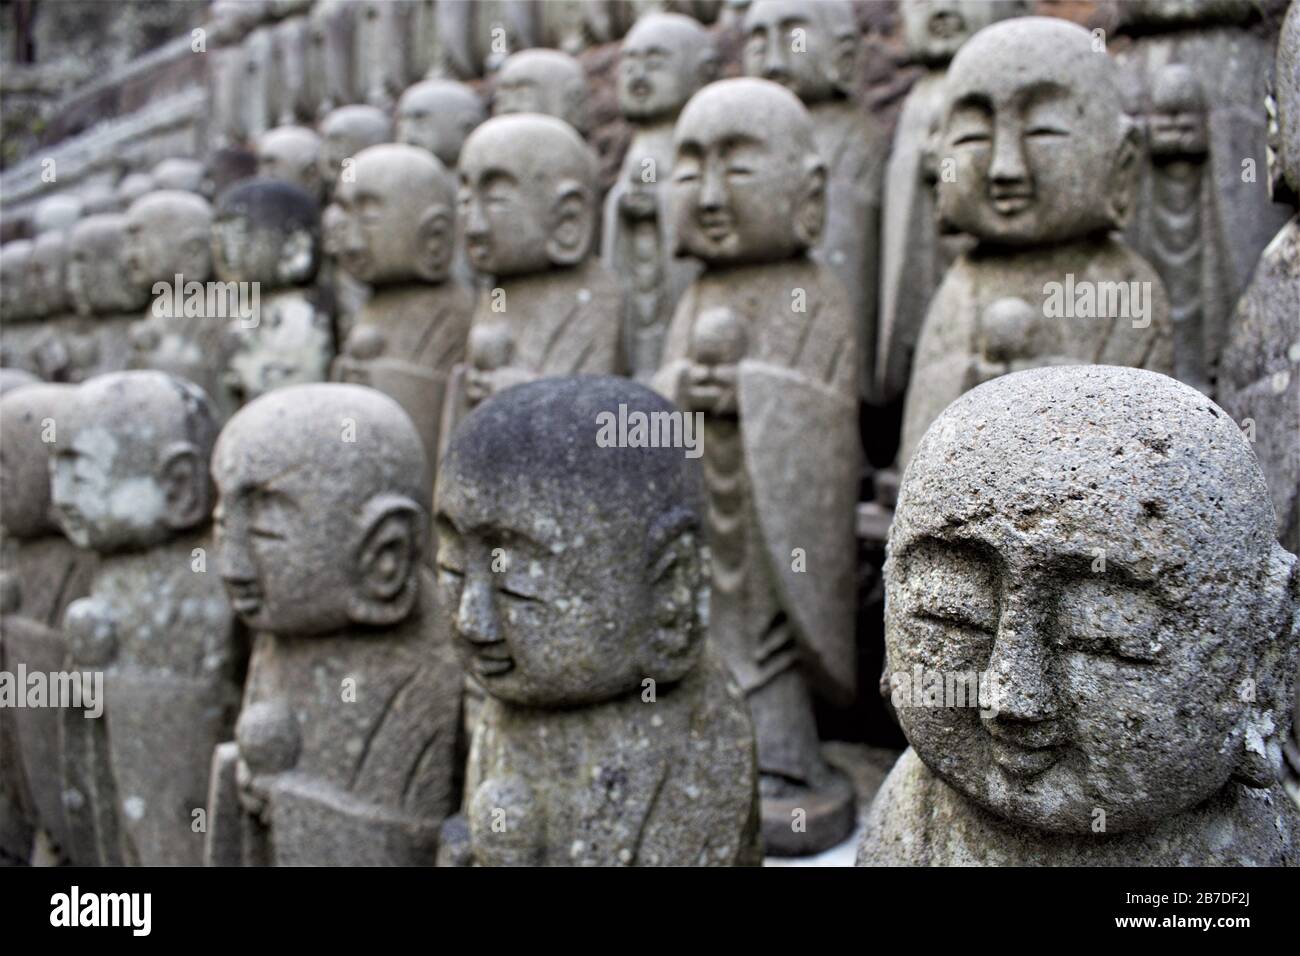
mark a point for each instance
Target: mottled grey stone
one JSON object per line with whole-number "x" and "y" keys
{"x": 130, "y": 482}
{"x": 1097, "y": 545}
{"x": 542, "y": 81}
{"x": 344, "y": 748}
{"x": 611, "y": 734}
{"x": 762, "y": 344}
{"x": 1040, "y": 217}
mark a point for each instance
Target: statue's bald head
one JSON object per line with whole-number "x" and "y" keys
{"x": 291, "y": 153}
{"x": 665, "y": 58}
{"x": 540, "y": 177}
{"x": 267, "y": 231}
{"x": 96, "y": 280}
{"x": 168, "y": 232}
{"x": 542, "y": 81}
{"x": 345, "y": 132}
{"x": 437, "y": 115}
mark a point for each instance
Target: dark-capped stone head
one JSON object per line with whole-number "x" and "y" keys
{"x": 266, "y": 231}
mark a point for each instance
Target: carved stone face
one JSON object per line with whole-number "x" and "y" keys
{"x": 567, "y": 579}
{"x": 168, "y": 233}
{"x": 542, "y": 81}
{"x": 265, "y": 231}
{"x": 97, "y": 281}
{"x": 131, "y": 467}
{"x": 15, "y": 257}
{"x": 664, "y": 59}
{"x": 936, "y": 29}
{"x": 317, "y": 525}
{"x": 747, "y": 184}
{"x": 346, "y": 131}
{"x": 1040, "y": 153}
{"x": 810, "y": 49}
{"x": 437, "y": 115}
{"x": 398, "y": 213}
{"x": 1098, "y": 544}
{"x": 28, "y": 416}
{"x": 1178, "y": 114}
{"x": 526, "y": 199}
{"x": 47, "y": 273}
{"x": 291, "y": 154}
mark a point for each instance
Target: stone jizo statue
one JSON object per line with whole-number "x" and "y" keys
{"x": 268, "y": 232}
{"x": 1093, "y": 548}
{"x": 291, "y": 154}
{"x": 438, "y": 115}
{"x": 130, "y": 482}
{"x": 573, "y": 578}
{"x": 1042, "y": 164}
{"x": 542, "y": 81}
{"x": 344, "y": 751}
{"x": 345, "y": 132}
{"x": 763, "y": 343}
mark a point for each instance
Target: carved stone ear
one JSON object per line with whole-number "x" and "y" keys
{"x": 573, "y": 224}
{"x": 679, "y": 594}
{"x": 387, "y": 561}
{"x": 1268, "y": 699}
{"x": 843, "y": 65}
{"x": 810, "y": 216}
{"x": 1124, "y": 173}
{"x": 437, "y": 238}
{"x": 297, "y": 258}
{"x": 183, "y": 477}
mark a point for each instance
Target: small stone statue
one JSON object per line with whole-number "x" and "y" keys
{"x": 1043, "y": 163}
{"x": 663, "y": 61}
{"x": 41, "y": 574}
{"x": 1092, "y": 549}
{"x": 438, "y": 115}
{"x": 102, "y": 294}
{"x": 542, "y": 81}
{"x": 345, "y": 132}
{"x": 572, "y": 574}
{"x": 913, "y": 254}
{"x": 383, "y": 60}
{"x": 529, "y": 214}
{"x": 1193, "y": 73}
{"x": 130, "y": 482}
{"x": 186, "y": 175}
{"x": 344, "y": 749}
{"x": 132, "y": 187}
{"x": 399, "y": 225}
{"x": 167, "y": 252}
{"x": 268, "y": 232}
{"x": 331, "y": 51}
{"x": 291, "y": 154}
{"x": 812, "y": 49}
{"x": 1260, "y": 380}
{"x": 761, "y": 345}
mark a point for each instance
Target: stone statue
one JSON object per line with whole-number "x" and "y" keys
{"x": 187, "y": 175}
{"x": 290, "y": 38}
{"x": 130, "y": 482}
{"x": 1092, "y": 551}
{"x": 1193, "y": 74}
{"x": 167, "y": 251}
{"x": 748, "y": 200}
{"x": 345, "y": 132}
{"x": 235, "y": 116}
{"x": 383, "y": 51}
{"x": 1042, "y": 162}
{"x": 56, "y": 213}
{"x": 41, "y": 573}
{"x": 529, "y": 215}
{"x": 399, "y": 236}
{"x": 132, "y": 187}
{"x": 542, "y": 81}
{"x": 611, "y": 735}
{"x": 663, "y": 61}
{"x": 107, "y": 301}
{"x": 331, "y": 46}
{"x": 477, "y": 37}
{"x": 343, "y": 753}
{"x": 812, "y": 49}
{"x": 438, "y": 115}
{"x": 291, "y": 154}
{"x": 1260, "y": 380}
{"x": 268, "y": 232}
{"x": 17, "y": 332}
{"x": 913, "y": 253}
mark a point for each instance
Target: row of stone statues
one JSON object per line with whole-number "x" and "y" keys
{"x": 575, "y": 584}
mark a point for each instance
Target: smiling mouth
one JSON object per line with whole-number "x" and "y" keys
{"x": 246, "y": 599}
{"x": 715, "y": 227}
{"x": 484, "y": 665}
{"x": 1019, "y": 760}
{"x": 1010, "y": 203}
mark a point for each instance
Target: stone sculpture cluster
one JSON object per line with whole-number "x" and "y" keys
{"x": 408, "y": 481}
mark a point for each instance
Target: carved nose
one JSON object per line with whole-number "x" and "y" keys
{"x": 1019, "y": 668}
{"x": 475, "y": 617}
{"x": 1008, "y": 166}
{"x": 711, "y": 192}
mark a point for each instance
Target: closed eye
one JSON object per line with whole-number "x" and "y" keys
{"x": 970, "y": 138}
